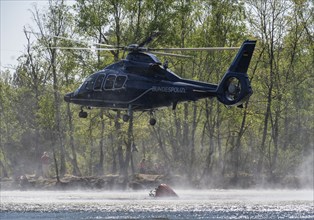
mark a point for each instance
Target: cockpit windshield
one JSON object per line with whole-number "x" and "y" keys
{"x": 89, "y": 84}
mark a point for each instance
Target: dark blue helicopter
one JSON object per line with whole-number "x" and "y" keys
{"x": 141, "y": 83}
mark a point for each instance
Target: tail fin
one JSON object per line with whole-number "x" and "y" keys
{"x": 234, "y": 88}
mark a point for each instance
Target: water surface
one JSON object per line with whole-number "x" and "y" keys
{"x": 191, "y": 204}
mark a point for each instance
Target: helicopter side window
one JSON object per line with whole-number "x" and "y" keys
{"x": 98, "y": 82}
{"x": 120, "y": 80}
{"x": 109, "y": 82}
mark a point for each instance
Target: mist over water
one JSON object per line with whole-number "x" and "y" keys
{"x": 191, "y": 204}
{"x": 305, "y": 171}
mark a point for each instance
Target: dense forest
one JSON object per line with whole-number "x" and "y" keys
{"x": 270, "y": 139}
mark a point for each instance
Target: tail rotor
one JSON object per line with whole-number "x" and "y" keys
{"x": 235, "y": 87}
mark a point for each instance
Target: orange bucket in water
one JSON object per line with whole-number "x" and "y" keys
{"x": 163, "y": 190}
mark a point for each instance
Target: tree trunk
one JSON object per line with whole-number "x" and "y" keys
{"x": 118, "y": 142}
{"x": 238, "y": 153}
{"x": 101, "y": 145}
{"x": 192, "y": 173}
{"x": 129, "y": 142}
{"x": 209, "y": 127}
{"x": 91, "y": 147}
{"x": 76, "y": 171}
{"x": 160, "y": 144}
{"x": 58, "y": 125}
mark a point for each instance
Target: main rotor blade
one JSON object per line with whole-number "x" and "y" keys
{"x": 74, "y": 40}
{"x": 83, "y": 48}
{"x": 172, "y": 54}
{"x": 108, "y": 49}
{"x": 59, "y": 37}
{"x": 194, "y": 49}
{"x": 72, "y": 48}
{"x": 108, "y": 45}
{"x": 149, "y": 39}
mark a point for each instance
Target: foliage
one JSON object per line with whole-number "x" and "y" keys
{"x": 203, "y": 141}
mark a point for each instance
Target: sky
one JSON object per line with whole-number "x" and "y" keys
{"x": 15, "y": 14}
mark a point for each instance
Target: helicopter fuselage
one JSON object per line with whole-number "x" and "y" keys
{"x": 142, "y": 86}
{"x": 140, "y": 83}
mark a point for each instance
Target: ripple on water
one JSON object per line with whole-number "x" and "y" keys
{"x": 211, "y": 204}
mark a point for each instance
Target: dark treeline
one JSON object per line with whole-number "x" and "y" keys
{"x": 270, "y": 139}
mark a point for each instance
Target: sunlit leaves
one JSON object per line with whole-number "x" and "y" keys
{"x": 197, "y": 137}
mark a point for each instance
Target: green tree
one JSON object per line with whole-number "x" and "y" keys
{"x": 54, "y": 23}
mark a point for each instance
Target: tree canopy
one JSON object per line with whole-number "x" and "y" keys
{"x": 270, "y": 139}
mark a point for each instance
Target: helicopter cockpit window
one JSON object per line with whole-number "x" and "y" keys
{"x": 109, "y": 82}
{"x": 89, "y": 84}
{"x": 120, "y": 80}
{"x": 98, "y": 82}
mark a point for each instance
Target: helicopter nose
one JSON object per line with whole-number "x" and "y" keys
{"x": 68, "y": 97}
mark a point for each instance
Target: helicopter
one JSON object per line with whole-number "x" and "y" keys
{"x": 140, "y": 82}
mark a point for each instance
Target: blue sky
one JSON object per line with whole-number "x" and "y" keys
{"x": 15, "y": 14}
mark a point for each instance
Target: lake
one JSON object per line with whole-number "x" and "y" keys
{"x": 191, "y": 204}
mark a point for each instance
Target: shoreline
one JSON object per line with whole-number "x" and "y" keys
{"x": 140, "y": 182}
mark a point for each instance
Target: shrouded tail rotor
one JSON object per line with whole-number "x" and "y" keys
{"x": 234, "y": 90}
{"x": 235, "y": 87}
